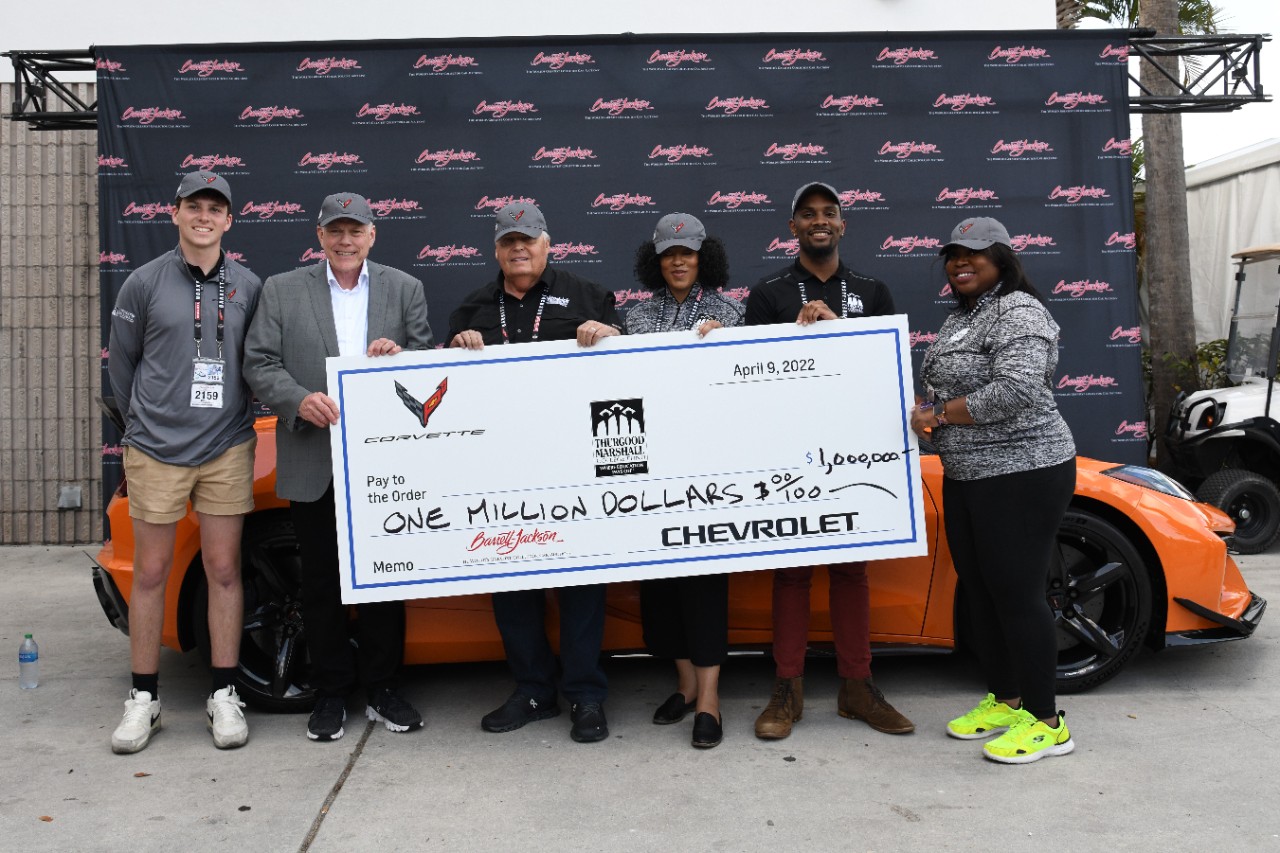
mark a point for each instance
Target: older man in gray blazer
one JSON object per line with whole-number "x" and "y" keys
{"x": 344, "y": 305}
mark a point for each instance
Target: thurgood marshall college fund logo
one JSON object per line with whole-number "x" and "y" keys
{"x": 422, "y": 411}
{"x": 617, "y": 433}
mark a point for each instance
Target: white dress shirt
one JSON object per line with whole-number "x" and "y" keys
{"x": 350, "y": 312}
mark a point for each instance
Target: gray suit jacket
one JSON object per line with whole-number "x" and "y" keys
{"x": 292, "y": 333}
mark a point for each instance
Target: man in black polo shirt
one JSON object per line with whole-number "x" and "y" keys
{"x": 818, "y": 286}
{"x": 529, "y": 302}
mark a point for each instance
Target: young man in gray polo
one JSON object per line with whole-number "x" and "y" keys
{"x": 176, "y": 347}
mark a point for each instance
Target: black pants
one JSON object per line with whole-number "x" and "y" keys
{"x": 521, "y": 618}
{"x": 336, "y": 668}
{"x": 687, "y": 618}
{"x": 1002, "y": 533}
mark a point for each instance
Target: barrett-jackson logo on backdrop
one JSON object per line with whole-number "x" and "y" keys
{"x": 334, "y": 162}
{"x": 621, "y": 203}
{"x": 908, "y": 246}
{"x": 740, "y": 200}
{"x": 679, "y": 60}
{"x": 964, "y": 103}
{"x": 1022, "y": 149}
{"x": 618, "y": 438}
{"x": 784, "y": 247}
{"x": 447, "y": 160}
{"x": 239, "y": 258}
{"x": 1075, "y": 102}
{"x": 1136, "y": 431}
{"x": 276, "y": 211}
{"x": 1120, "y": 244}
{"x": 971, "y": 197}
{"x": 574, "y": 253}
{"x": 851, "y": 105}
{"x": 1090, "y": 385}
{"x": 1082, "y": 290}
{"x": 227, "y": 164}
{"x": 796, "y": 58}
{"x": 205, "y": 68}
{"x": 629, "y": 297}
{"x": 909, "y": 150}
{"x": 112, "y": 259}
{"x": 445, "y": 65}
{"x": 862, "y": 199}
{"x": 279, "y": 116}
{"x": 452, "y": 254}
{"x": 396, "y": 208}
{"x": 1116, "y": 149}
{"x": 168, "y": 117}
{"x": 1114, "y": 54}
{"x": 487, "y": 205}
{"x": 400, "y": 113}
{"x": 796, "y": 152}
{"x": 544, "y": 63}
{"x": 1021, "y": 55}
{"x": 680, "y": 154}
{"x": 1082, "y": 195}
{"x": 311, "y": 254}
{"x": 148, "y": 211}
{"x": 1034, "y": 244}
{"x": 906, "y": 57}
{"x": 921, "y": 340}
{"x": 737, "y": 106}
{"x": 328, "y": 66}
{"x": 113, "y": 164}
{"x": 106, "y": 66}
{"x": 565, "y": 156}
{"x": 504, "y": 111}
{"x": 1122, "y": 337}
{"x": 620, "y": 108}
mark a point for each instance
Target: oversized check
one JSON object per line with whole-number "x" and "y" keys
{"x": 549, "y": 464}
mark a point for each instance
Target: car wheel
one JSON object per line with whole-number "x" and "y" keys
{"x": 273, "y": 661}
{"x": 1252, "y": 501}
{"x": 1100, "y": 593}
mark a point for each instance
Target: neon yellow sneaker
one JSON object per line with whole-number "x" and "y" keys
{"x": 989, "y": 718}
{"x": 1029, "y": 740}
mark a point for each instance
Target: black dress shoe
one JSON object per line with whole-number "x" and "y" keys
{"x": 673, "y": 710}
{"x": 589, "y": 724}
{"x": 516, "y": 711}
{"x": 707, "y": 730}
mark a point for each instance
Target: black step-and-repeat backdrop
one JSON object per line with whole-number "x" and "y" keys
{"x": 606, "y": 134}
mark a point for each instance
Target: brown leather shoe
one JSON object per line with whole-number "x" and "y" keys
{"x": 860, "y": 699}
{"x": 785, "y": 707}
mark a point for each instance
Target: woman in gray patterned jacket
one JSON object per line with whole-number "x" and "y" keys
{"x": 1008, "y": 461}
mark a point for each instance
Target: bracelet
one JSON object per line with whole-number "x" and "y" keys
{"x": 940, "y": 412}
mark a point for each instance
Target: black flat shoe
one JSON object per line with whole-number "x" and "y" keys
{"x": 672, "y": 711}
{"x": 707, "y": 730}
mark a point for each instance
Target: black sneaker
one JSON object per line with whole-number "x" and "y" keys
{"x": 387, "y": 707}
{"x": 516, "y": 711}
{"x": 327, "y": 718}
{"x": 589, "y": 724}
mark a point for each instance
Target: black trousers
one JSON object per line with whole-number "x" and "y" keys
{"x": 686, "y": 618}
{"x": 336, "y": 667}
{"x": 1002, "y": 532}
{"x": 521, "y": 618}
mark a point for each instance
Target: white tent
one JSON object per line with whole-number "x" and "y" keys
{"x": 1233, "y": 203}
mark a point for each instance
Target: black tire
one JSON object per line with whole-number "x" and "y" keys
{"x": 273, "y": 671}
{"x": 1252, "y": 501}
{"x": 1100, "y": 592}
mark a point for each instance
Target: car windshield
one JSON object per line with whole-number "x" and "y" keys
{"x": 1254, "y": 320}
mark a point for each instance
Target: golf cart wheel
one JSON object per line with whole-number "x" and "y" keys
{"x": 1252, "y": 501}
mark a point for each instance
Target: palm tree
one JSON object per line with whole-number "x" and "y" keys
{"x": 1167, "y": 264}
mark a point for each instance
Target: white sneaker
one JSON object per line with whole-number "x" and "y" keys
{"x": 226, "y": 720}
{"x": 141, "y": 720}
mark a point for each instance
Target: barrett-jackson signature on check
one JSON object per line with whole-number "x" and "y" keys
{"x": 549, "y": 464}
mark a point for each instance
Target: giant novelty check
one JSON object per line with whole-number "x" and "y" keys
{"x": 549, "y": 464}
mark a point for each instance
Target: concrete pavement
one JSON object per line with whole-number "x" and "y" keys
{"x": 1179, "y": 752}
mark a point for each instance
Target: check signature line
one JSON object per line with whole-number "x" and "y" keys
{"x": 868, "y": 485}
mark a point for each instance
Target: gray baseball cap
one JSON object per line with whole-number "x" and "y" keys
{"x": 194, "y": 182}
{"x": 978, "y": 232}
{"x": 678, "y": 229}
{"x": 520, "y": 216}
{"x": 810, "y": 187}
{"x": 345, "y": 206}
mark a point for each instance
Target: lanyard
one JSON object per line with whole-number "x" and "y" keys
{"x": 537, "y": 318}
{"x": 844, "y": 297}
{"x": 222, "y": 303}
{"x": 663, "y": 325}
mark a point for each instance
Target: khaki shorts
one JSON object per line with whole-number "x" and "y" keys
{"x": 158, "y": 491}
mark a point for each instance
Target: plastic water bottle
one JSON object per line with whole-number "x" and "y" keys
{"x": 28, "y": 663}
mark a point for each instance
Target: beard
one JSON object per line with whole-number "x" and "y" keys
{"x": 820, "y": 253}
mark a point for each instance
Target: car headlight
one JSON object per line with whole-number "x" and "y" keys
{"x": 1149, "y": 478}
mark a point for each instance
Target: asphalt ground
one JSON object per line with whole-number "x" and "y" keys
{"x": 1179, "y": 752}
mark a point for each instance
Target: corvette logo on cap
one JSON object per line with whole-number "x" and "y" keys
{"x": 964, "y": 229}
{"x": 344, "y": 202}
{"x": 678, "y": 228}
{"x": 211, "y": 179}
{"x": 515, "y": 215}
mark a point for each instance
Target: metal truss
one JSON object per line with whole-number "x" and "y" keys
{"x": 41, "y": 99}
{"x": 1220, "y": 73}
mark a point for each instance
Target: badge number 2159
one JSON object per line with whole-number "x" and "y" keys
{"x": 206, "y": 396}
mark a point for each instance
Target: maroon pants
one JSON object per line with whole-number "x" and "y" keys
{"x": 850, "y": 619}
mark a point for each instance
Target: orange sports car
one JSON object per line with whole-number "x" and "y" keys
{"x": 1141, "y": 564}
